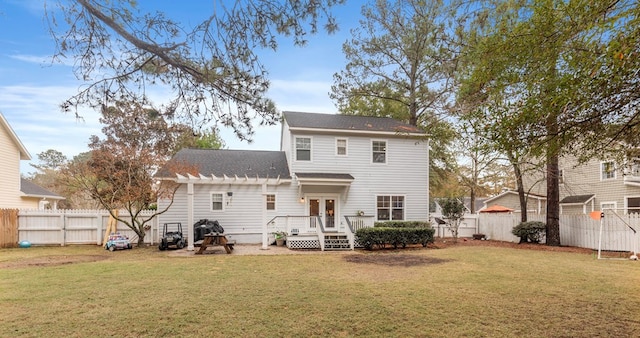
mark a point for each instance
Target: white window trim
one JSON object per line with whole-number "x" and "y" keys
{"x": 615, "y": 205}
{"x": 561, "y": 177}
{"x": 404, "y": 207}
{"x": 386, "y": 151}
{"x": 224, "y": 201}
{"x": 346, "y": 146}
{"x": 601, "y": 169}
{"x": 295, "y": 149}
{"x": 626, "y": 203}
{"x": 275, "y": 203}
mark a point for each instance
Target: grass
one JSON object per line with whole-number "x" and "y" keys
{"x": 471, "y": 292}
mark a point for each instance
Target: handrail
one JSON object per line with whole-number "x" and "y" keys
{"x": 320, "y": 232}
{"x": 350, "y": 234}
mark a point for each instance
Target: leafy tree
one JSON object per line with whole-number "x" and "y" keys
{"x": 400, "y": 66}
{"x": 50, "y": 159}
{"x": 206, "y": 140}
{"x": 212, "y": 68}
{"x": 453, "y": 210}
{"x": 119, "y": 170}
{"x": 545, "y": 60}
{"x": 476, "y": 159}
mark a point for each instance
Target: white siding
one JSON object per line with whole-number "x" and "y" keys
{"x": 10, "y": 172}
{"x": 243, "y": 215}
{"x": 404, "y": 173}
{"x": 585, "y": 179}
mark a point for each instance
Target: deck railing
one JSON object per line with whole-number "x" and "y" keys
{"x": 354, "y": 223}
{"x": 294, "y": 224}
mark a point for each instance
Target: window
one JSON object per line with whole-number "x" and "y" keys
{"x": 379, "y": 151}
{"x": 271, "y": 202}
{"x": 216, "y": 201}
{"x": 608, "y": 205}
{"x": 633, "y": 205}
{"x": 635, "y": 167}
{"x": 561, "y": 176}
{"x": 341, "y": 147}
{"x": 303, "y": 149}
{"x": 390, "y": 208}
{"x": 607, "y": 171}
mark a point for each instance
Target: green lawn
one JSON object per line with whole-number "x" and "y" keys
{"x": 461, "y": 291}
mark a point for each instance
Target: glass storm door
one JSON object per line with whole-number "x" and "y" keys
{"x": 326, "y": 209}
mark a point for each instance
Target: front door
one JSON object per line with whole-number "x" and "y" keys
{"x": 326, "y": 208}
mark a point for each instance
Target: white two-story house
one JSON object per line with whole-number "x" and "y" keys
{"x": 332, "y": 174}
{"x": 584, "y": 187}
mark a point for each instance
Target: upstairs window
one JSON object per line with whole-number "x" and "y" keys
{"x": 303, "y": 149}
{"x": 216, "y": 201}
{"x": 379, "y": 151}
{"x": 271, "y": 202}
{"x": 561, "y": 176}
{"x": 341, "y": 147}
{"x": 607, "y": 170}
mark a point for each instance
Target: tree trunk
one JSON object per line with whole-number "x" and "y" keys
{"x": 553, "y": 202}
{"x": 141, "y": 238}
{"x": 553, "y": 184}
{"x": 520, "y": 187}
{"x": 472, "y": 201}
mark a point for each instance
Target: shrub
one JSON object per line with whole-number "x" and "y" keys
{"x": 398, "y": 236}
{"x": 402, "y": 224}
{"x": 532, "y": 232}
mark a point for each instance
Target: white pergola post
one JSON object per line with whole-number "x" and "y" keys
{"x": 189, "y": 232}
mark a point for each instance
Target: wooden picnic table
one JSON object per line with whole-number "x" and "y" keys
{"x": 216, "y": 239}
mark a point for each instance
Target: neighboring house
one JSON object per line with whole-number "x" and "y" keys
{"x": 37, "y": 197}
{"x": 510, "y": 199}
{"x": 332, "y": 174}
{"x": 16, "y": 193}
{"x": 436, "y": 208}
{"x": 595, "y": 185}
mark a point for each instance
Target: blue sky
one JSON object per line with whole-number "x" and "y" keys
{"x": 31, "y": 88}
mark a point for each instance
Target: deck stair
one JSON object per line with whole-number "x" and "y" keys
{"x": 336, "y": 242}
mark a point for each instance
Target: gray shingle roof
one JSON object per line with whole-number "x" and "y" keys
{"x": 348, "y": 122}
{"x": 334, "y": 176}
{"x": 31, "y": 189}
{"x": 576, "y": 199}
{"x": 221, "y": 162}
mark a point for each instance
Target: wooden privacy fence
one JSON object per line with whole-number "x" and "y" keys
{"x": 575, "y": 230}
{"x": 8, "y": 228}
{"x": 61, "y": 227}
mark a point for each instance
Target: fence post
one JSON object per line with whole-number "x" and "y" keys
{"x": 63, "y": 221}
{"x": 99, "y": 229}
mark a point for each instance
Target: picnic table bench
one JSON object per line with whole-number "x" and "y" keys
{"x": 212, "y": 239}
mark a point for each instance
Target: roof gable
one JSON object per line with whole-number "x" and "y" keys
{"x": 24, "y": 154}
{"x": 348, "y": 123}
{"x": 577, "y": 199}
{"x": 30, "y": 189}
{"x": 513, "y": 192}
{"x": 241, "y": 163}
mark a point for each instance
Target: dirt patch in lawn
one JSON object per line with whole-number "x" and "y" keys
{"x": 448, "y": 242}
{"x": 52, "y": 260}
{"x": 393, "y": 259}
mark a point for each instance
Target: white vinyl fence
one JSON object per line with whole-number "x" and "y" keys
{"x": 575, "y": 230}
{"x": 61, "y": 227}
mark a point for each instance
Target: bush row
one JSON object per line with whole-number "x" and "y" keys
{"x": 398, "y": 236}
{"x": 402, "y": 224}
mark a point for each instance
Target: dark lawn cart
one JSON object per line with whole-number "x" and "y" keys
{"x": 172, "y": 237}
